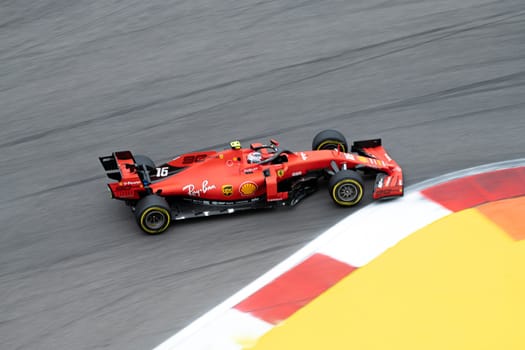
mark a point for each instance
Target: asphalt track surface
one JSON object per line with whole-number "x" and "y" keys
{"x": 442, "y": 82}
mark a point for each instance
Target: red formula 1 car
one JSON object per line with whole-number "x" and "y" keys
{"x": 214, "y": 182}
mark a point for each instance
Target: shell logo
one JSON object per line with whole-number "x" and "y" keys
{"x": 248, "y": 188}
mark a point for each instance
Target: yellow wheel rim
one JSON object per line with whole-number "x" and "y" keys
{"x": 154, "y": 220}
{"x": 333, "y": 142}
{"x": 347, "y": 192}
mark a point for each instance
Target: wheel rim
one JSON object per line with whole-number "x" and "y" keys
{"x": 348, "y": 192}
{"x": 155, "y": 220}
{"x": 330, "y": 144}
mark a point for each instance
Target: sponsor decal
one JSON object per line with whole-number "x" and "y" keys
{"x": 280, "y": 172}
{"x": 303, "y": 156}
{"x": 250, "y": 170}
{"x": 125, "y": 194}
{"x": 349, "y": 156}
{"x": 297, "y": 173}
{"x": 377, "y": 162}
{"x": 194, "y": 158}
{"x": 131, "y": 183}
{"x": 227, "y": 190}
{"x": 248, "y": 188}
{"x": 196, "y": 192}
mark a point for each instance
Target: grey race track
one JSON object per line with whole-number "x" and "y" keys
{"x": 442, "y": 82}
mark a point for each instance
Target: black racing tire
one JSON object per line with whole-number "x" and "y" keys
{"x": 153, "y": 214}
{"x": 141, "y": 159}
{"x": 346, "y": 188}
{"x": 330, "y": 139}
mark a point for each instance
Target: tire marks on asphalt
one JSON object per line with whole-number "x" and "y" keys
{"x": 318, "y": 67}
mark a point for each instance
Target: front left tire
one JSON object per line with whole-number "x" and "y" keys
{"x": 346, "y": 188}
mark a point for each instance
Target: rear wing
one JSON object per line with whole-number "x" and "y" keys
{"x": 132, "y": 179}
{"x": 121, "y": 166}
{"x": 115, "y": 164}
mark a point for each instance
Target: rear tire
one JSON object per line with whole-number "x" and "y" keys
{"x": 330, "y": 139}
{"x": 153, "y": 214}
{"x": 346, "y": 188}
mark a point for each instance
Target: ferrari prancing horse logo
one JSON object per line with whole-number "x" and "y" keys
{"x": 280, "y": 172}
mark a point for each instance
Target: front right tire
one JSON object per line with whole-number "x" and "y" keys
{"x": 330, "y": 139}
{"x": 153, "y": 214}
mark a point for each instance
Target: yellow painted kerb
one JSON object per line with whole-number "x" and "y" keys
{"x": 456, "y": 284}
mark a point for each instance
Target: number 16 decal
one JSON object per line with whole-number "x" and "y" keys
{"x": 161, "y": 172}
